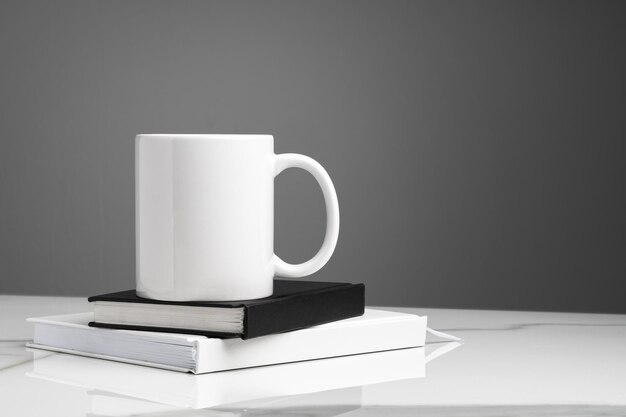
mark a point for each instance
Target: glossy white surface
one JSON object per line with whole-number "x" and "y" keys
{"x": 512, "y": 363}
{"x": 205, "y": 208}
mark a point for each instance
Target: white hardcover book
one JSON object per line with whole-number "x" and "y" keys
{"x": 376, "y": 330}
{"x": 243, "y": 387}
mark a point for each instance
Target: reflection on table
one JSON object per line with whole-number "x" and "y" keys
{"x": 333, "y": 385}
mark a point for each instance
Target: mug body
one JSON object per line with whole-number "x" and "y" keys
{"x": 204, "y": 216}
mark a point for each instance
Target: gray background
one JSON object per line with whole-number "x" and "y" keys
{"x": 477, "y": 147}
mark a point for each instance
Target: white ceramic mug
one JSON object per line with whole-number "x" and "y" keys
{"x": 205, "y": 216}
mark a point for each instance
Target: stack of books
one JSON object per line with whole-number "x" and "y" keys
{"x": 302, "y": 320}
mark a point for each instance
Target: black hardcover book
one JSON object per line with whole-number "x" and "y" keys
{"x": 295, "y": 304}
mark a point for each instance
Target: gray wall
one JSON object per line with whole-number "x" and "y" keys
{"x": 477, "y": 148}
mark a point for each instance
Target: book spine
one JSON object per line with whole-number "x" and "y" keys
{"x": 313, "y": 343}
{"x": 304, "y": 310}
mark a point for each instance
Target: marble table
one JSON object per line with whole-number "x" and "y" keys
{"x": 510, "y": 364}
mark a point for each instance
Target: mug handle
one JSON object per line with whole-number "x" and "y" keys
{"x": 292, "y": 160}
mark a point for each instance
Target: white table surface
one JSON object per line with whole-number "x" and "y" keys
{"x": 511, "y": 363}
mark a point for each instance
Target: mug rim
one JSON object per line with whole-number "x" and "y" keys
{"x": 209, "y": 136}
